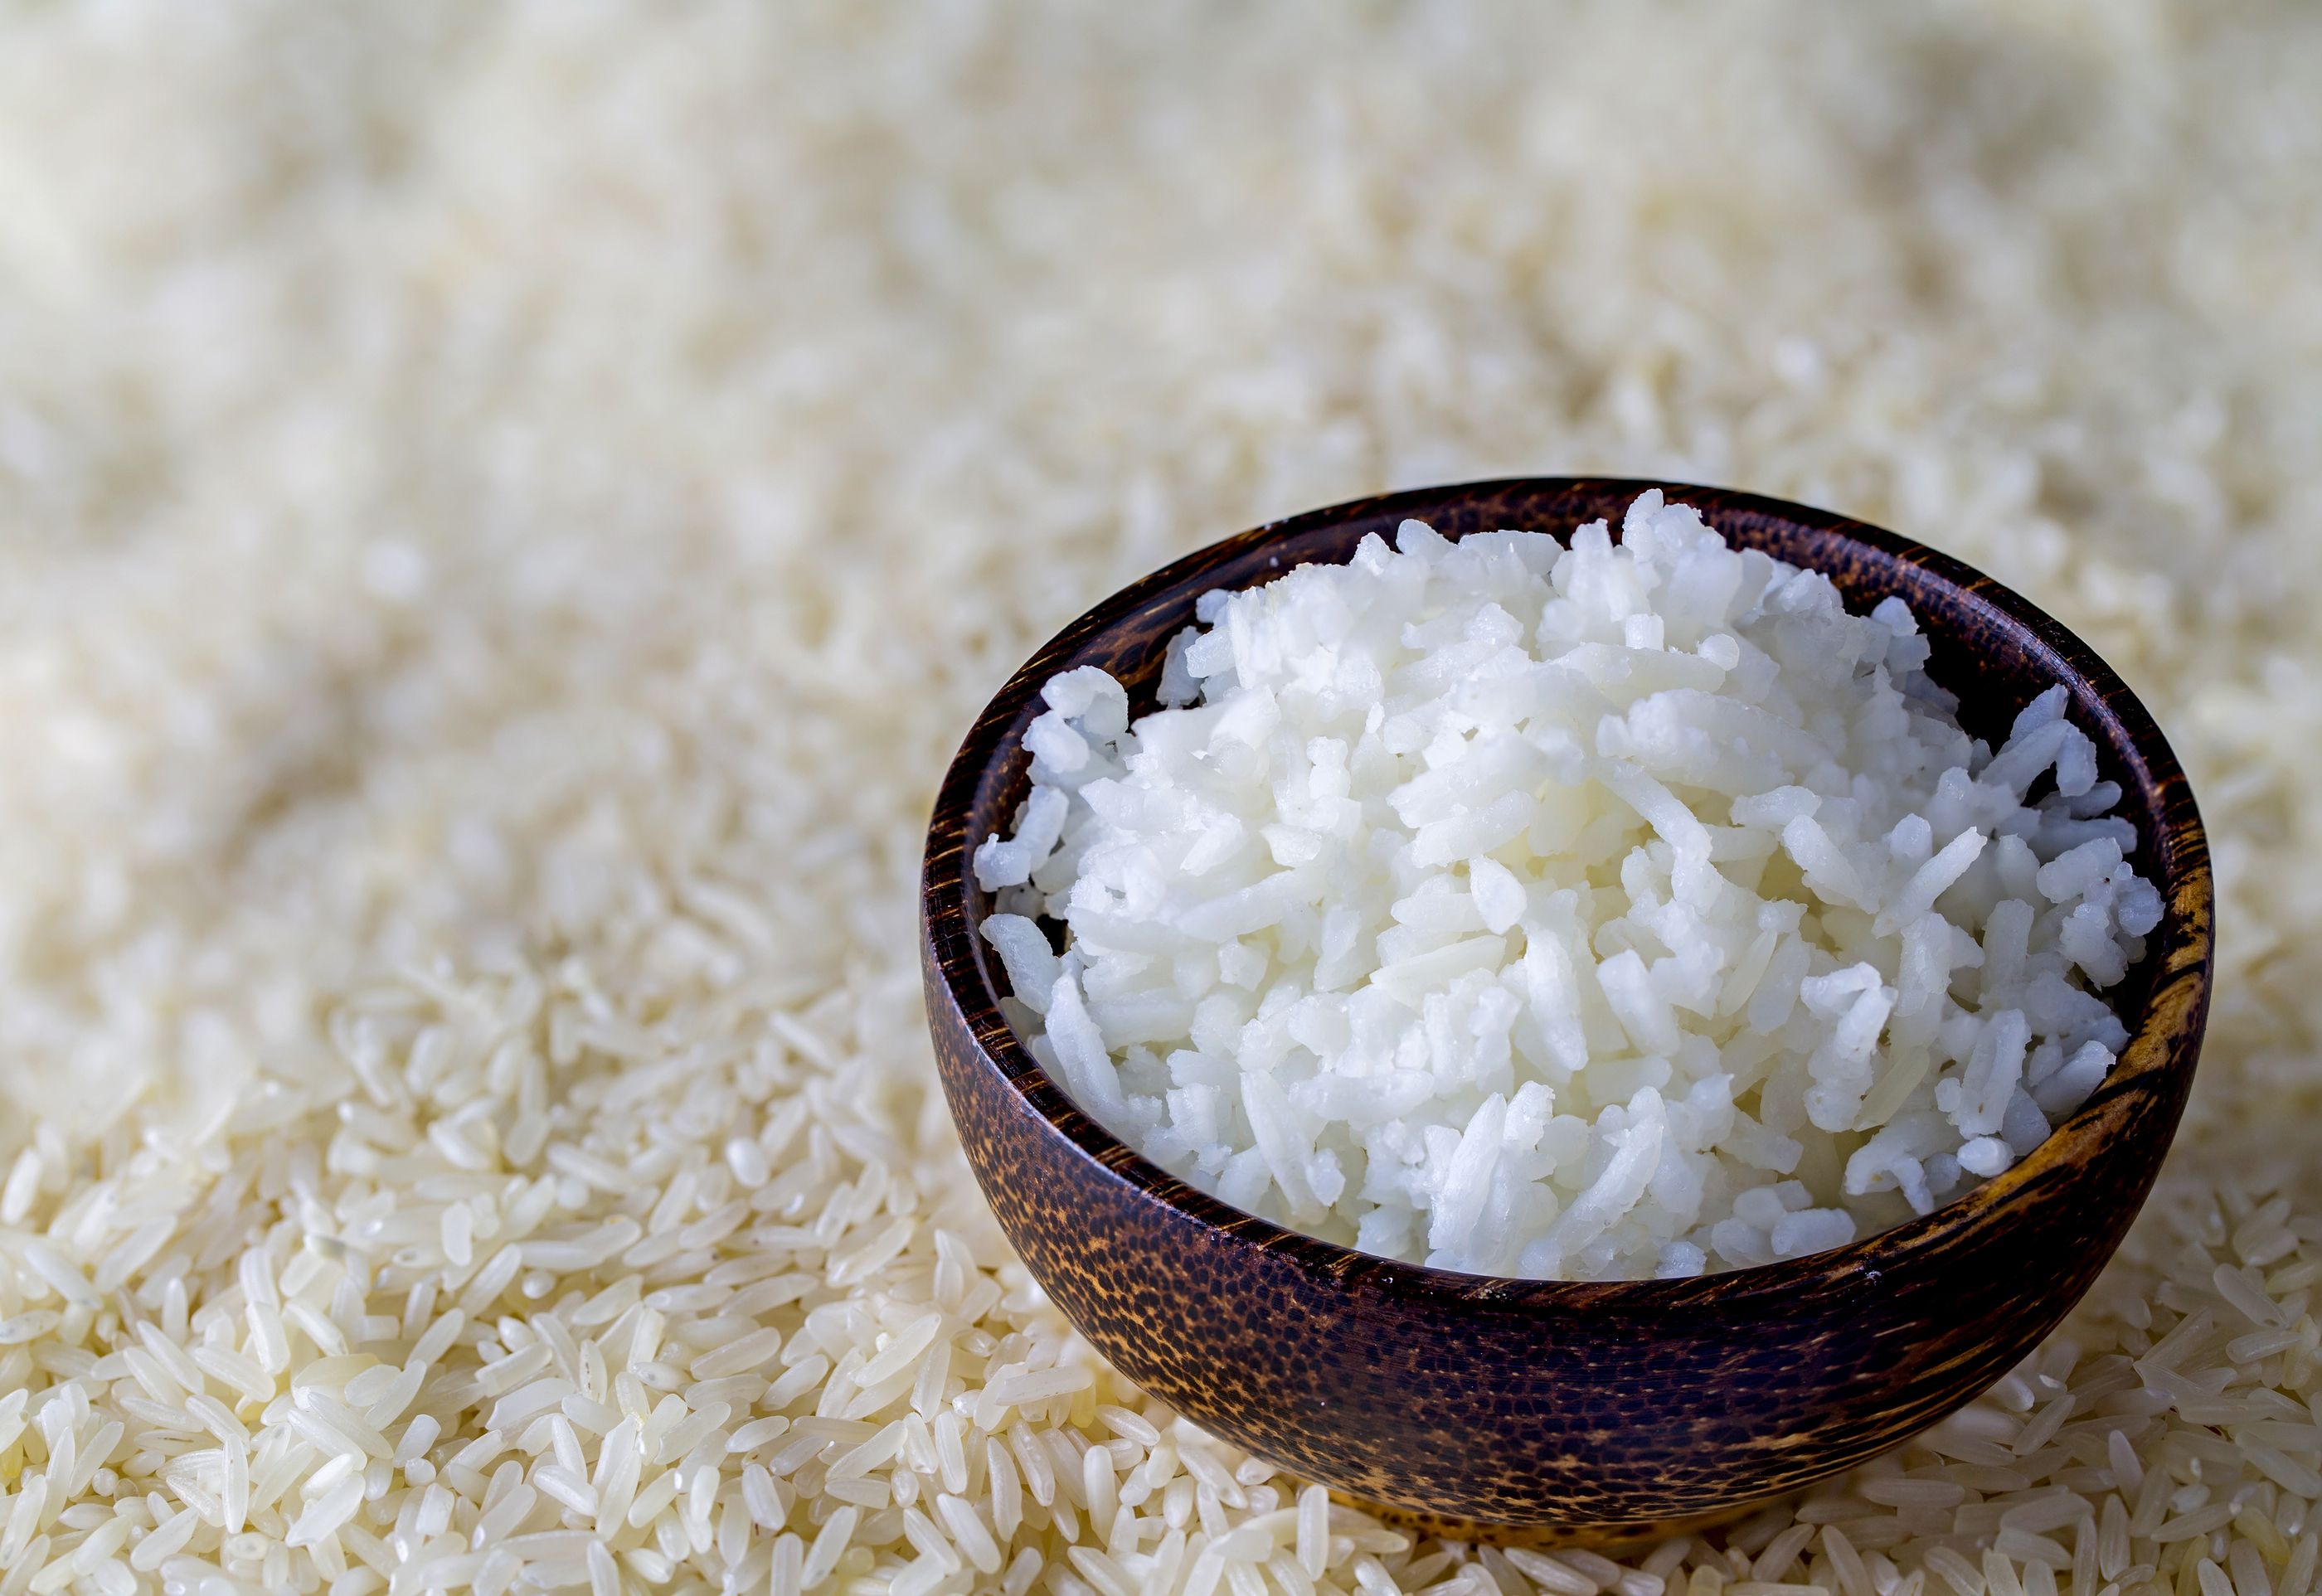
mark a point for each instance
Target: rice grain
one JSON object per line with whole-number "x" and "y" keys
{"x": 482, "y": 616}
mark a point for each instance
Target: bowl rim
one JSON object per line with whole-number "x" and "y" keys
{"x": 2161, "y": 1056}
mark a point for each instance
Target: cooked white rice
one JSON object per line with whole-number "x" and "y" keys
{"x": 505, "y": 513}
{"x": 1566, "y": 912}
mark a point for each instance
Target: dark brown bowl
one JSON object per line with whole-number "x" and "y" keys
{"x": 1558, "y": 1410}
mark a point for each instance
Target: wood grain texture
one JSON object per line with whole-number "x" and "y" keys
{"x": 1544, "y": 1409}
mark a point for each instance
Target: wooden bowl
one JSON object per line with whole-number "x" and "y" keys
{"x": 1548, "y": 1411}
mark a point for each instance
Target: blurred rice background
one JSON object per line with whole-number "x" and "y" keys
{"x": 486, "y": 487}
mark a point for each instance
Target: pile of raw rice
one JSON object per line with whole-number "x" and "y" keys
{"x": 504, "y": 511}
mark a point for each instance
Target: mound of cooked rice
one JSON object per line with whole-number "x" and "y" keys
{"x": 1565, "y": 910}
{"x": 504, "y": 512}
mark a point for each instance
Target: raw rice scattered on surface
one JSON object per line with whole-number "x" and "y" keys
{"x": 505, "y": 513}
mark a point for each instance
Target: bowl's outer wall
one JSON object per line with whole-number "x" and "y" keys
{"x": 1517, "y": 1404}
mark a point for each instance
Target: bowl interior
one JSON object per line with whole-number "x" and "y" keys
{"x": 1989, "y": 646}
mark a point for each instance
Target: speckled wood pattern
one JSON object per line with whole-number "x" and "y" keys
{"x": 1548, "y": 1411}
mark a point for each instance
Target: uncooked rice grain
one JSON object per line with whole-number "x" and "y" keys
{"x": 505, "y": 513}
